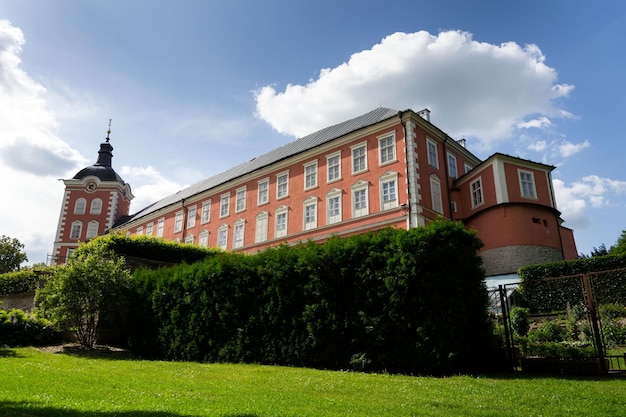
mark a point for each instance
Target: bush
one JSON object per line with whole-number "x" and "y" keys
{"x": 18, "y": 328}
{"x": 548, "y": 331}
{"x": 519, "y": 321}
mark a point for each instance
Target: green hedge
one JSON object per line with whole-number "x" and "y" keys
{"x": 18, "y": 282}
{"x": 398, "y": 301}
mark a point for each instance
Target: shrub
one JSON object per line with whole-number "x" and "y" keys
{"x": 519, "y": 321}
{"x": 18, "y": 328}
{"x": 548, "y": 331}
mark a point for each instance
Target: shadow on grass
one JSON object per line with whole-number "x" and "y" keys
{"x": 97, "y": 352}
{"x": 9, "y": 353}
{"x": 12, "y": 408}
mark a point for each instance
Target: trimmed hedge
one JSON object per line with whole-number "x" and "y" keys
{"x": 18, "y": 282}
{"x": 398, "y": 301}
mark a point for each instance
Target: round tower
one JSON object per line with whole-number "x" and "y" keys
{"x": 95, "y": 199}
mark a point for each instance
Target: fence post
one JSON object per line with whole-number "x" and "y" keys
{"x": 506, "y": 322}
{"x": 593, "y": 314}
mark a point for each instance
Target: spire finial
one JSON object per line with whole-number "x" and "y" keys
{"x": 109, "y": 130}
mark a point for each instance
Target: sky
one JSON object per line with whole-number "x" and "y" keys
{"x": 194, "y": 87}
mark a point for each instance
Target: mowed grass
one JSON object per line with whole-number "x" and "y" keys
{"x": 38, "y": 383}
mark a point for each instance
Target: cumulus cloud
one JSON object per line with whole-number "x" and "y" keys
{"x": 473, "y": 89}
{"x": 148, "y": 185}
{"x": 568, "y": 148}
{"x": 592, "y": 191}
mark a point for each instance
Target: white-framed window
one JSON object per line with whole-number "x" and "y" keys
{"x": 238, "y": 233}
{"x": 527, "y": 183}
{"x": 203, "y": 238}
{"x": 240, "y": 199}
{"x": 467, "y": 167}
{"x": 433, "y": 159}
{"x": 310, "y": 175}
{"x": 75, "y": 231}
{"x": 333, "y": 167}
{"x": 191, "y": 216}
{"x": 92, "y": 229}
{"x": 435, "y": 194}
{"x": 388, "y": 190}
{"x": 222, "y": 236}
{"x": 476, "y": 189}
{"x": 452, "y": 169}
{"x": 282, "y": 185}
{"x": 189, "y": 239}
{"x": 138, "y": 233}
{"x": 333, "y": 206}
{"x": 359, "y": 158}
{"x": 79, "y": 206}
{"x": 160, "y": 227}
{"x": 178, "y": 222}
{"x": 96, "y": 206}
{"x": 360, "y": 197}
{"x": 386, "y": 149}
{"x": 262, "y": 221}
{"x": 224, "y": 205}
{"x": 280, "y": 227}
{"x": 263, "y": 191}
{"x": 149, "y": 228}
{"x": 453, "y": 206}
{"x": 205, "y": 217}
{"x": 310, "y": 213}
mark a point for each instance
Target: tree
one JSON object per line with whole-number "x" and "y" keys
{"x": 93, "y": 285}
{"x": 599, "y": 251}
{"x": 620, "y": 247}
{"x": 11, "y": 255}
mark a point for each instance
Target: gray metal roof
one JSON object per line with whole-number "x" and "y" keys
{"x": 293, "y": 148}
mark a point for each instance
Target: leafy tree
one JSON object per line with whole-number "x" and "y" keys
{"x": 599, "y": 251}
{"x": 11, "y": 255}
{"x": 620, "y": 247}
{"x": 91, "y": 287}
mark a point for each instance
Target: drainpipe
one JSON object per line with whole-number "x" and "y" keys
{"x": 445, "y": 171}
{"x": 406, "y": 153}
{"x": 184, "y": 225}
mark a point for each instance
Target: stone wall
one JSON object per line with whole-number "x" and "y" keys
{"x": 509, "y": 259}
{"x": 24, "y": 301}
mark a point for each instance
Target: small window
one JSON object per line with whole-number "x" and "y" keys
{"x": 160, "y": 227}
{"x": 263, "y": 192}
{"x": 206, "y": 212}
{"x": 189, "y": 239}
{"x": 527, "y": 184}
{"x": 468, "y": 167}
{"x": 262, "y": 220}
{"x": 238, "y": 233}
{"x": 333, "y": 206}
{"x": 178, "y": 222}
{"x": 282, "y": 185}
{"x": 310, "y": 213}
{"x": 310, "y": 175}
{"x": 477, "y": 192}
{"x": 387, "y": 149}
{"x": 203, "y": 239}
{"x": 224, "y": 205}
{"x": 359, "y": 158}
{"x": 79, "y": 206}
{"x": 333, "y": 164}
{"x": 75, "y": 231}
{"x": 435, "y": 194}
{"x": 452, "y": 170}
{"x": 453, "y": 206}
{"x": 389, "y": 191}
{"x": 240, "y": 200}
{"x": 433, "y": 159}
{"x": 222, "y": 236}
{"x": 138, "y": 233}
{"x": 149, "y": 227}
{"x": 92, "y": 229}
{"x": 360, "y": 206}
{"x": 96, "y": 206}
{"x": 280, "y": 228}
{"x": 191, "y": 217}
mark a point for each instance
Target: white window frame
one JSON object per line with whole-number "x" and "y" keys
{"x": 96, "y": 206}
{"x": 240, "y": 199}
{"x": 280, "y": 227}
{"x": 80, "y": 206}
{"x": 361, "y": 157}
{"x": 467, "y": 167}
{"x": 309, "y": 213}
{"x": 476, "y": 192}
{"x": 360, "y": 206}
{"x": 205, "y": 217}
{"x": 334, "y": 213}
{"x": 189, "y": 239}
{"x": 178, "y": 221}
{"x": 282, "y": 187}
{"x": 92, "y": 229}
{"x": 310, "y": 175}
{"x": 263, "y": 192}
{"x": 388, "y": 184}
{"x": 433, "y": 153}
{"x": 160, "y": 227}
{"x": 333, "y": 170}
{"x": 192, "y": 212}
{"x": 222, "y": 236}
{"x": 530, "y": 181}
{"x": 76, "y": 230}
{"x": 453, "y": 171}
{"x": 149, "y": 229}
{"x": 435, "y": 194}
{"x": 224, "y": 205}
{"x": 203, "y": 239}
{"x": 139, "y": 231}
{"x": 262, "y": 226}
{"x": 239, "y": 230}
{"x": 387, "y": 143}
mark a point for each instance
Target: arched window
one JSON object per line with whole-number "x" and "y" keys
{"x": 96, "y": 206}
{"x": 92, "y": 229}
{"x": 75, "y": 231}
{"x": 79, "y": 206}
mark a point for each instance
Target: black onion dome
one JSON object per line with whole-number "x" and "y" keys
{"x": 102, "y": 168}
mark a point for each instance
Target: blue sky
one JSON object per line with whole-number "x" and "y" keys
{"x": 194, "y": 87}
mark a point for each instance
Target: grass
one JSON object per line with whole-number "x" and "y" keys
{"x": 40, "y": 383}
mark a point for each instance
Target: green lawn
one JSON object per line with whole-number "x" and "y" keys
{"x": 37, "y": 383}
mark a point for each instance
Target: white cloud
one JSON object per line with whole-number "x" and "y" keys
{"x": 568, "y": 149}
{"x": 473, "y": 89}
{"x": 592, "y": 191}
{"x": 538, "y": 146}
{"x": 148, "y": 185}
{"x": 540, "y": 123}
